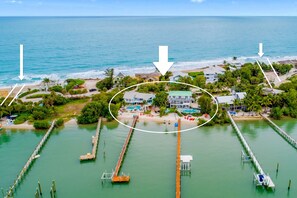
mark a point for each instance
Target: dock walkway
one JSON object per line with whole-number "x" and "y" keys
{"x": 95, "y": 141}
{"x": 281, "y": 132}
{"x": 178, "y": 152}
{"x": 253, "y": 158}
{"x": 124, "y": 178}
{"x": 30, "y": 161}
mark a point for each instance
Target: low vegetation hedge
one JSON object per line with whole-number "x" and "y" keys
{"x": 37, "y": 96}
{"x": 42, "y": 124}
{"x": 78, "y": 91}
{"x": 28, "y": 92}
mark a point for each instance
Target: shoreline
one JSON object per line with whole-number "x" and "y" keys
{"x": 190, "y": 66}
{"x": 160, "y": 120}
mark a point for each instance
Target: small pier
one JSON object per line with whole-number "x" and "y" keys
{"x": 178, "y": 161}
{"x": 123, "y": 178}
{"x": 95, "y": 141}
{"x": 281, "y": 132}
{"x": 262, "y": 178}
{"x": 30, "y": 161}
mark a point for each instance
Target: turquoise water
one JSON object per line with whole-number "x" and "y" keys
{"x": 133, "y": 107}
{"x": 84, "y": 47}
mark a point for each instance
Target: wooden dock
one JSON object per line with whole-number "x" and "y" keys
{"x": 30, "y": 161}
{"x": 95, "y": 142}
{"x": 123, "y": 178}
{"x": 281, "y": 132}
{"x": 250, "y": 152}
{"x": 178, "y": 152}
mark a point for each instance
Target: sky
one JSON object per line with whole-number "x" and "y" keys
{"x": 148, "y": 7}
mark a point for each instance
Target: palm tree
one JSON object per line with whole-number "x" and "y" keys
{"x": 266, "y": 101}
{"x": 236, "y": 103}
{"x": 46, "y": 81}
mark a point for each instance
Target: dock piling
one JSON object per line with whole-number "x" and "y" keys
{"x": 36, "y": 193}
{"x": 39, "y": 188}
{"x": 289, "y": 186}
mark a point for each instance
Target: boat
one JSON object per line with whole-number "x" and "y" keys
{"x": 264, "y": 180}
{"x": 36, "y": 156}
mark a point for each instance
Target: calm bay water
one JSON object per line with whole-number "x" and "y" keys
{"x": 217, "y": 170}
{"x": 83, "y": 47}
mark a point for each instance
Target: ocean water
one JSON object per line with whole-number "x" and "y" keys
{"x": 64, "y": 47}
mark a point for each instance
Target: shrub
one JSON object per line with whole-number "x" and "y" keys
{"x": 59, "y": 122}
{"x": 78, "y": 91}
{"x": 21, "y": 119}
{"x": 57, "y": 88}
{"x": 41, "y": 124}
{"x": 276, "y": 113}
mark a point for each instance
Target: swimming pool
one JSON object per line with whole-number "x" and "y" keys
{"x": 189, "y": 111}
{"x": 134, "y": 108}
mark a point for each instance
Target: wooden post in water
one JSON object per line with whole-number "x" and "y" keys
{"x": 289, "y": 186}
{"x": 52, "y": 193}
{"x": 37, "y": 193}
{"x": 39, "y": 188}
{"x": 54, "y": 186}
{"x": 277, "y": 166}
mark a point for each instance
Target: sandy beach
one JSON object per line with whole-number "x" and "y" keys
{"x": 25, "y": 125}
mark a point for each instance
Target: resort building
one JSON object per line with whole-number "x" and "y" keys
{"x": 118, "y": 78}
{"x": 149, "y": 77}
{"x": 180, "y": 99}
{"x": 133, "y": 97}
{"x": 212, "y": 72}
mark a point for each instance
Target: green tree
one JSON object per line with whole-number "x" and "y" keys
{"x": 205, "y": 104}
{"x": 161, "y": 99}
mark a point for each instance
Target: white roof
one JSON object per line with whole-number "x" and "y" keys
{"x": 225, "y": 99}
{"x": 134, "y": 94}
{"x": 240, "y": 95}
{"x": 214, "y": 70}
{"x": 186, "y": 158}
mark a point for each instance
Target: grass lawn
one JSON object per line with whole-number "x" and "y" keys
{"x": 71, "y": 109}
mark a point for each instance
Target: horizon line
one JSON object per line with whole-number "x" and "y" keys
{"x": 148, "y": 16}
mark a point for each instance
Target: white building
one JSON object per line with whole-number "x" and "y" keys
{"x": 133, "y": 97}
{"x": 177, "y": 75}
{"x": 229, "y": 100}
{"x": 180, "y": 99}
{"x": 212, "y": 72}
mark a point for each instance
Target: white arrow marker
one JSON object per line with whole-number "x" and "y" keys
{"x": 274, "y": 70}
{"x": 261, "y": 49}
{"x": 8, "y": 94}
{"x": 16, "y": 96}
{"x": 264, "y": 75}
{"x": 163, "y": 65}
{"x": 21, "y": 76}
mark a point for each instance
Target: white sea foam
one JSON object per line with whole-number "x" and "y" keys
{"x": 130, "y": 70}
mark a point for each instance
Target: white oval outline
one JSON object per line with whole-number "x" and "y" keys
{"x": 148, "y": 131}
